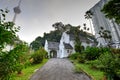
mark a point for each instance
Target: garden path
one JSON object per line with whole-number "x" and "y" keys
{"x": 58, "y": 69}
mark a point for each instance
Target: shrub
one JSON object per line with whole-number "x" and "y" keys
{"x": 74, "y": 56}
{"x": 78, "y": 47}
{"x": 110, "y": 65}
{"x": 104, "y": 49}
{"x": 12, "y": 61}
{"x": 38, "y": 56}
{"x": 81, "y": 58}
{"x": 43, "y": 53}
{"x": 78, "y": 57}
{"x": 91, "y": 53}
{"x": 22, "y": 55}
{"x": 116, "y": 51}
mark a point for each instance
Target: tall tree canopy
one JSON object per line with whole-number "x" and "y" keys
{"x": 112, "y": 10}
{"x": 40, "y": 41}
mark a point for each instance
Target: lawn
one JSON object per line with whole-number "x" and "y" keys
{"x": 95, "y": 74}
{"x": 27, "y": 72}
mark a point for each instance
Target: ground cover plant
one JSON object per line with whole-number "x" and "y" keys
{"x": 104, "y": 60}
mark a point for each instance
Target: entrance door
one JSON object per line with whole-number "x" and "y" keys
{"x": 53, "y": 54}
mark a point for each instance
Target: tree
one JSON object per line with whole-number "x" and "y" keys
{"x": 7, "y": 30}
{"x": 13, "y": 60}
{"x": 88, "y": 15}
{"x": 40, "y": 41}
{"x": 112, "y": 10}
{"x": 59, "y": 26}
{"x": 75, "y": 30}
{"x": 106, "y": 34}
{"x": 7, "y": 36}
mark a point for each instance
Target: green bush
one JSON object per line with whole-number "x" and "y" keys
{"x": 116, "y": 52}
{"x": 92, "y": 53}
{"x": 74, "y": 56}
{"x": 43, "y": 53}
{"x": 38, "y": 56}
{"x": 12, "y": 61}
{"x": 110, "y": 65}
{"x": 81, "y": 58}
{"x": 78, "y": 57}
{"x": 107, "y": 62}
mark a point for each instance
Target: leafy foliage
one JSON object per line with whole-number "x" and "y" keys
{"x": 92, "y": 53}
{"x": 112, "y": 10}
{"x": 74, "y": 56}
{"x": 56, "y": 34}
{"x": 13, "y": 60}
{"x": 107, "y": 61}
{"x": 7, "y": 30}
{"x": 110, "y": 65}
{"x": 59, "y": 26}
{"x": 78, "y": 47}
{"x": 78, "y": 57}
{"x": 76, "y": 31}
{"x": 38, "y": 56}
{"x": 40, "y": 41}
{"x": 78, "y": 35}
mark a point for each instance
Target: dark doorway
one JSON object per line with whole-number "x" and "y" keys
{"x": 53, "y": 54}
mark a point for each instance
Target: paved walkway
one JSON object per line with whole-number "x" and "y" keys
{"x": 58, "y": 69}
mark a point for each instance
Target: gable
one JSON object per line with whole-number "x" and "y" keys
{"x": 86, "y": 37}
{"x": 67, "y": 46}
{"x": 53, "y": 45}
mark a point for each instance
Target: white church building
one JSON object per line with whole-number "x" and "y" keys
{"x": 66, "y": 46}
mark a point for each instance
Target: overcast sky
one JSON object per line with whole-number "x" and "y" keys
{"x": 37, "y": 16}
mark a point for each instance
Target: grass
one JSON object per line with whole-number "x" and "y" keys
{"x": 95, "y": 74}
{"x": 27, "y": 72}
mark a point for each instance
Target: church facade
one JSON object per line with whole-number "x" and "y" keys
{"x": 65, "y": 47}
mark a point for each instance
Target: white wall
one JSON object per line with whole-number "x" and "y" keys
{"x": 46, "y": 45}
{"x": 65, "y": 37}
{"x": 99, "y": 20}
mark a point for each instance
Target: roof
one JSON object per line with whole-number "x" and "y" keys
{"x": 82, "y": 38}
{"x": 53, "y": 45}
{"x": 67, "y": 46}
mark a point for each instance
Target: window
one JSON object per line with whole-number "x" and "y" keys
{"x": 68, "y": 51}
